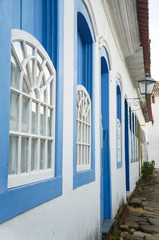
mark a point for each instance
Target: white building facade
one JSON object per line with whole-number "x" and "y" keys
{"x": 72, "y": 139}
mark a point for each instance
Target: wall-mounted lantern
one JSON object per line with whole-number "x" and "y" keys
{"x": 146, "y": 85}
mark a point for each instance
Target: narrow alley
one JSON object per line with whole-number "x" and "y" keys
{"x": 140, "y": 219}
{"x": 79, "y": 120}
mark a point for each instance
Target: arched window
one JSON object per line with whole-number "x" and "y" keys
{"x": 83, "y": 146}
{"x": 84, "y": 94}
{"x": 119, "y": 127}
{"x": 32, "y": 111}
{"x": 83, "y": 149}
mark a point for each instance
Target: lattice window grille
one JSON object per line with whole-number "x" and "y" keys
{"x": 32, "y": 112}
{"x": 118, "y": 140}
{"x": 83, "y": 144}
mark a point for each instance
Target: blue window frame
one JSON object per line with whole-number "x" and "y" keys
{"x": 44, "y": 20}
{"x": 130, "y": 119}
{"x": 84, "y": 52}
{"x": 119, "y": 125}
{"x": 131, "y": 134}
{"x": 133, "y": 137}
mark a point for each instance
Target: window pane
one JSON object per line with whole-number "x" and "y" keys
{"x": 34, "y": 117}
{"x": 28, "y": 72}
{"x": 30, "y": 50}
{"x": 49, "y": 154}
{"x": 42, "y": 120}
{"x": 50, "y": 91}
{"x": 37, "y": 71}
{"x": 31, "y": 63}
{"x": 42, "y": 154}
{"x": 39, "y": 57}
{"x": 34, "y": 155}
{"x": 25, "y": 114}
{"x": 15, "y": 73}
{"x": 14, "y": 114}
{"x": 13, "y": 155}
{"x": 43, "y": 96}
{"x": 19, "y": 50}
{"x": 42, "y": 83}
{"x": 47, "y": 72}
{"x": 35, "y": 94}
{"x": 24, "y": 155}
{"x": 49, "y": 118}
{"x": 25, "y": 87}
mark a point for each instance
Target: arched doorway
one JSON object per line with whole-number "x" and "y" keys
{"x": 127, "y": 147}
{"x": 104, "y": 134}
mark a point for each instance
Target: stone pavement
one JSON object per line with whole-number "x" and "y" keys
{"x": 140, "y": 219}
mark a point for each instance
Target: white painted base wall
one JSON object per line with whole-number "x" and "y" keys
{"x": 66, "y": 217}
{"x": 134, "y": 174}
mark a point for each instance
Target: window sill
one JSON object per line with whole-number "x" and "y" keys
{"x": 25, "y": 178}
{"x": 82, "y": 178}
{"x": 19, "y": 200}
{"x": 119, "y": 164}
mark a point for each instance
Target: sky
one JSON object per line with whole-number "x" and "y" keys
{"x": 154, "y": 36}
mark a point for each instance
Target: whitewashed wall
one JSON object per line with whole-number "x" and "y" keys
{"x": 153, "y": 134}
{"x": 119, "y": 68}
{"x": 76, "y": 214}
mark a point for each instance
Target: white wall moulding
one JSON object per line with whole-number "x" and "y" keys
{"x": 93, "y": 19}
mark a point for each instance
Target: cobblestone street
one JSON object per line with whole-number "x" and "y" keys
{"x": 140, "y": 219}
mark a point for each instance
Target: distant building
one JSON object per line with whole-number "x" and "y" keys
{"x": 153, "y": 136}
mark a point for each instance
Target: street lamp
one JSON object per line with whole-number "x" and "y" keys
{"x": 146, "y": 85}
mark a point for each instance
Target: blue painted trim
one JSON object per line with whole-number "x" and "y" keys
{"x": 39, "y": 21}
{"x": 127, "y": 170}
{"x": 105, "y": 181}
{"x": 16, "y": 6}
{"x": 119, "y": 115}
{"x": 84, "y": 177}
{"x": 5, "y": 53}
{"x": 50, "y": 39}
{"x": 81, "y": 178}
{"x": 59, "y": 87}
{"x": 131, "y": 129}
{"x": 133, "y": 135}
{"x": 81, "y": 8}
{"x": 20, "y": 14}
{"x": 104, "y": 53}
{"x": 18, "y": 200}
{"x": 28, "y": 16}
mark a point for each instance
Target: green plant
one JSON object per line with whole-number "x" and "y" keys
{"x": 116, "y": 235}
{"x": 148, "y": 169}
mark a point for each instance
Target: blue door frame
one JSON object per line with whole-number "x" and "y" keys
{"x": 127, "y": 175}
{"x": 106, "y": 210}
